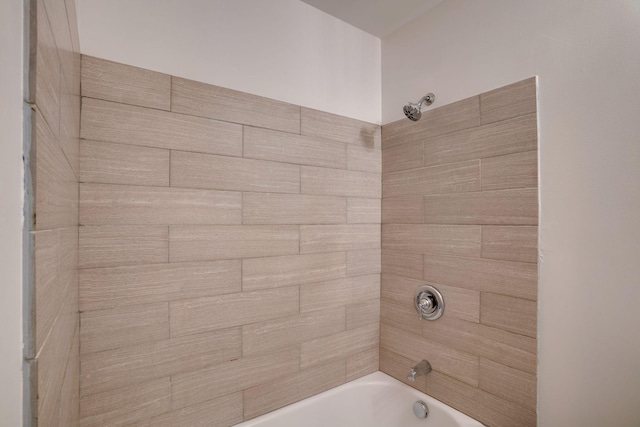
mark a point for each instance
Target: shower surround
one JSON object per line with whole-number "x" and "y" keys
{"x": 229, "y": 250}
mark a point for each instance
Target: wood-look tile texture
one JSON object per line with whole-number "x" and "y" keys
{"x": 460, "y": 211}
{"x": 226, "y": 241}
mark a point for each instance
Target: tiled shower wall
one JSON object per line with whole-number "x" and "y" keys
{"x": 460, "y": 211}
{"x": 53, "y": 95}
{"x": 229, "y": 250}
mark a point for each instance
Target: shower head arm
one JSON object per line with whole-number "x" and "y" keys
{"x": 427, "y": 99}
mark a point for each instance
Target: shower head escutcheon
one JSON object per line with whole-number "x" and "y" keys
{"x": 414, "y": 111}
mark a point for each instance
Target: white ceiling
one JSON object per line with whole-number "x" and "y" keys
{"x": 377, "y": 17}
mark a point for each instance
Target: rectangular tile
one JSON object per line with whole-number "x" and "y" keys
{"x": 364, "y": 158}
{"x": 56, "y": 13}
{"x": 508, "y": 101}
{"x": 451, "y": 178}
{"x": 291, "y": 148}
{"x": 401, "y": 315}
{"x": 69, "y": 138}
{"x": 194, "y": 170}
{"x": 338, "y": 345}
{"x": 339, "y": 292}
{"x": 219, "y": 412}
{"x": 137, "y": 364}
{"x": 363, "y": 363}
{"x": 109, "y": 163}
{"x": 519, "y": 170}
{"x": 287, "y": 331}
{"x": 403, "y": 156}
{"x": 230, "y": 377}
{"x": 434, "y": 121}
{"x": 272, "y": 208}
{"x": 267, "y": 397}
{"x": 206, "y": 243}
{"x": 127, "y": 124}
{"x": 123, "y": 326}
{"x": 459, "y": 365}
{"x": 507, "y": 348}
{"x": 108, "y": 204}
{"x": 508, "y": 383}
{"x": 511, "y": 243}
{"x": 273, "y": 272}
{"x": 126, "y": 406}
{"x": 426, "y": 238}
{"x": 504, "y": 207}
{"x": 201, "y": 99}
{"x": 44, "y": 83}
{"x": 403, "y": 210}
{"x": 363, "y": 261}
{"x": 111, "y": 246}
{"x": 336, "y": 182}
{"x": 69, "y": 400}
{"x": 331, "y": 238}
{"x": 339, "y": 128}
{"x": 402, "y": 264}
{"x": 516, "y": 279}
{"x": 223, "y": 311}
{"x": 512, "y": 314}
{"x": 363, "y": 211}
{"x": 145, "y": 284}
{"x": 112, "y": 81}
{"x": 495, "y": 139}
{"x": 363, "y": 313}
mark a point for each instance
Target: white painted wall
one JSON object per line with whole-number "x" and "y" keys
{"x": 281, "y": 49}
{"x": 11, "y": 198}
{"x": 587, "y": 56}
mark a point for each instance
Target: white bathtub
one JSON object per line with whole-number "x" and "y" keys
{"x": 376, "y": 400}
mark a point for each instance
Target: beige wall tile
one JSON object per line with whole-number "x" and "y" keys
{"x": 272, "y": 208}
{"x": 57, "y": 15}
{"x": 403, "y": 210}
{"x": 201, "y": 99}
{"x": 112, "y": 81}
{"x": 277, "y": 146}
{"x": 435, "y": 121}
{"x": 495, "y": 139}
{"x": 517, "y": 279}
{"x": 363, "y": 363}
{"x": 108, "y": 163}
{"x": 194, "y": 170}
{"x": 137, "y": 364}
{"x": 127, "y": 124}
{"x": 111, "y": 246}
{"x": 399, "y": 366}
{"x": 335, "y": 182}
{"x": 508, "y": 101}
{"x": 206, "y": 243}
{"x": 454, "y": 363}
{"x": 363, "y": 261}
{"x": 126, "y": 406}
{"x": 512, "y": 314}
{"x": 267, "y": 397}
{"x": 69, "y": 138}
{"x": 403, "y": 264}
{"x": 402, "y": 157}
{"x": 519, "y": 170}
{"x": 44, "y": 85}
{"x": 108, "y": 204}
{"x": 450, "y": 178}
{"x": 339, "y": 292}
{"x": 69, "y": 399}
{"x": 338, "y": 345}
{"x": 508, "y": 383}
{"x": 363, "y": 313}
{"x": 401, "y": 315}
{"x": 330, "y": 238}
{"x": 223, "y": 311}
{"x": 287, "y": 331}
{"x": 424, "y": 238}
{"x": 273, "y": 272}
{"x": 494, "y": 344}
{"x": 220, "y": 412}
{"x": 505, "y": 207}
{"x": 230, "y": 377}
{"x": 73, "y": 25}
{"x": 339, "y": 128}
{"x": 144, "y": 284}
{"x": 123, "y": 326}
{"x": 363, "y": 211}
{"x": 511, "y": 243}
{"x": 364, "y": 158}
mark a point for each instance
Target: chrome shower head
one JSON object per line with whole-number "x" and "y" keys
{"x": 414, "y": 111}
